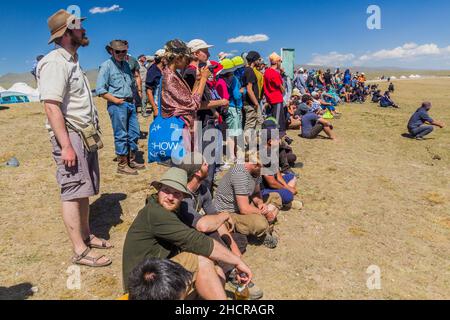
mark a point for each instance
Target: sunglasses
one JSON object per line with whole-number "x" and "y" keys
{"x": 120, "y": 52}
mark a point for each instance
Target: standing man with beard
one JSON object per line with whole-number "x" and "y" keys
{"x": 69, "y": 106}
{"x": 115, "y": 84}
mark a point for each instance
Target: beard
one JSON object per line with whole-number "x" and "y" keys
{"x": 82, "y": 41}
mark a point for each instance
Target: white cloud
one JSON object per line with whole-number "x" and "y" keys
{"x": 407, "y": 52}
{"x": 224, "y": 55}
{"x": 113, "y": 8}
{"x": 249, "y": 39}
{"x": 332, "y": 58}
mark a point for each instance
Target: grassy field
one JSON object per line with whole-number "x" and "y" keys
{"x": 373, "y": 197}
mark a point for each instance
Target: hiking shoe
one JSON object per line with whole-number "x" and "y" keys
{"x": 133, "y": 164}
{"x": 270, "y": 241}
{"x": 124, "y": 168}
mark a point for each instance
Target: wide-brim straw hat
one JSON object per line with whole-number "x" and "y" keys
{"x": 119, "y": 45}
{"x": 59, "y": 22}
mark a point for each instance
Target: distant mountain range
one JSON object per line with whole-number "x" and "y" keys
{"x": 7, "y": 80}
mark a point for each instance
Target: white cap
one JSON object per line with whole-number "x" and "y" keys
{"x": 150, "y": 58}
{"x": 315, "y": 94}
{"x": 302, "y": 70}
{"x": 160, "y": 52}
{"x": 198, "y": 44}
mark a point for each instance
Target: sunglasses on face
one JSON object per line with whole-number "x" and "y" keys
{"x": 120, "y": 52}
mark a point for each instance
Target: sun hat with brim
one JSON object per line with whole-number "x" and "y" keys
{"x": 238, "y": 62}
{"x": 175, "y": 178}
{"x": 228, "y": 66}
{"x": 296, "y": 93}
{"x": 119, "y": 45}
{"x": 59, "y": 22}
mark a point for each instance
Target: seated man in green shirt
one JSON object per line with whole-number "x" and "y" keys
{"x": 157, "y": 232}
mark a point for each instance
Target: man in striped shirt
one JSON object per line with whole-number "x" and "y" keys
{"x": 239, "y": 193}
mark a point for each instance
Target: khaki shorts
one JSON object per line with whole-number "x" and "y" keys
{"x": 81, "y": 181}
{"x": 189, "y": 261}
{"x": 253, "y": 118}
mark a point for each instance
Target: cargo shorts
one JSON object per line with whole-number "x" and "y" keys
{"x": 82, "y": 180}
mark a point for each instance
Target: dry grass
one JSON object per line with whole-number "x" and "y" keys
{"x": 372, "y": 198}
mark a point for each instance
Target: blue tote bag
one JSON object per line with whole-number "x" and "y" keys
{"x": 165, "y": 138}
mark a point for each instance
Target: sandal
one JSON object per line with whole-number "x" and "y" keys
{"x": 77, "y": 259}
{"x": 95, "y": 246}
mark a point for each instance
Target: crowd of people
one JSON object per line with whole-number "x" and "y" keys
{"x": 191, "y": 236}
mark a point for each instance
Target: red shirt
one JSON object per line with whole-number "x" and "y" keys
{"x": 272, "y": 86}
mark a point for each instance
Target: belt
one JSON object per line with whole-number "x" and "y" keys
{"x": 129, "y": 100}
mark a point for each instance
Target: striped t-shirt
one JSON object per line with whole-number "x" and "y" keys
{"x": 237, "y": 181}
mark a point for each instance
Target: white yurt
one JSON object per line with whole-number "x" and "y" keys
{"x": 31, "y": 93}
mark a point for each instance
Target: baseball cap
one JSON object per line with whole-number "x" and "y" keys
{"x": 198, "y": 44}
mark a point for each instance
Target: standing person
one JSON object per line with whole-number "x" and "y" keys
{"x": 115, "y": 84}
{"x": 142, "y": 60}
{"x": 35, "y": 64}
{"x": 178, "y": 99}
{"x": 233, "y": 116}
{"x": 273, "y": 89}
{"x": 252, "y": 109}
{"x": 69, "y": 106}
{"x": 207, "y": 113}
{"x": 153, "y": 79}
{"x": 416, "y": 126}
{"x": 137, "y": 88}
{"x": 300, "y": 81}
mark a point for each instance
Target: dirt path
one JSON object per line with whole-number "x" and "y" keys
{"x": 372, "y": 198}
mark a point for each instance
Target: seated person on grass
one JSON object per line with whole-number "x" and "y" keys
{"x": 313, "y": 124}
{"x": 416, "y": 125}
{"x": 386, "y": 101}
{"x": 159, "y": 279}
{"x": 239, "y": 192}
{"x": 293, "y": 118}
{"x": 218, "y": 225}
{"x": 326, "y": 102}
{"x": 272, "y": 178}
{"x": 158, "y": 232}
{"x": 376, "y": 96}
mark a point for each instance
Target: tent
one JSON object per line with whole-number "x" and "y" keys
{"x": 10, "y": 97}
{"x": 24, "y": 89}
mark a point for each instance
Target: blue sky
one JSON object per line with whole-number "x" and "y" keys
{"x": 414, "y": 33}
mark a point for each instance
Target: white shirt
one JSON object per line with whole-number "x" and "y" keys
{"x": 61, "y": 79}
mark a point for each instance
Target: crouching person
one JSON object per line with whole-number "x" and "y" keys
{"x": 158, "y": 232}
{"x": 200, "y": 213}
{"x": 239, "y": 192}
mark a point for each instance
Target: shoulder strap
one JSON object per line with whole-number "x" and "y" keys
{"x": 159, "y": 95}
